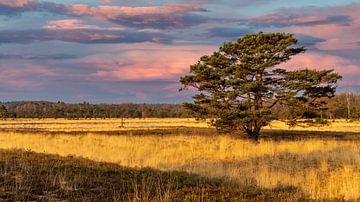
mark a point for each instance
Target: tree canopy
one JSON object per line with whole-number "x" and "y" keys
{"x": 3, "y": 112}
{"x": 241, "y": 82}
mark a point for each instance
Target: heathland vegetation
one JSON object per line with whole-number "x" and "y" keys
{"x": 175, "y": 159}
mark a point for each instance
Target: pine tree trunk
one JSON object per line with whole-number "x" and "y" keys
{"x": 254, "y": 133}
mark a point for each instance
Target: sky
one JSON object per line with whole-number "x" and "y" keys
{"x": 115, "y": 51}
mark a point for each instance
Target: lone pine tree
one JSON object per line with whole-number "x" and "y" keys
{"x": 241, "y": 82}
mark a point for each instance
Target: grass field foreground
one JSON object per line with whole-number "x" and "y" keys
{"x": 317, "y": 168}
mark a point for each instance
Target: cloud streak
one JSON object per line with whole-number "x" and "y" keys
{"x": 24, "y": 76}
{"x": 138, "y": 64}
{"x": 15, "y": 3}
{"x": 69, "y": 24}
{"x": 287, "y": 20}
{"x": 160, "y": 17}
{"x": 315, "y": 60}
{"x": 5, "y": 56}
{"x": 82, "y": 36}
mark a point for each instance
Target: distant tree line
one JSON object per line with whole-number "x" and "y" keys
{"x": 343, "y": 105}
{"x": 42, "y": 109}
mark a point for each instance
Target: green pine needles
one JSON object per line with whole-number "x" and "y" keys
{"x": 241, "y": 82}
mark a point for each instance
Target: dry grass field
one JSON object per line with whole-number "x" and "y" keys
{"x": 176, "y": 159}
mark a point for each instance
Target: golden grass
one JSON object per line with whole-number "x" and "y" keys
{"x": 96, "y": 125}
{"x": 339, "y": 125}
{"x": 29, "y": 176}
{"x": 321, "y": 168}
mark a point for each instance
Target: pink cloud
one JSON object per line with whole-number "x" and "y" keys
{"x": 164, "y": 62}
{"x": 338, "y": 27}
{"x": 166, "y": 16}
{"x": 75, "y": 24}
{"x": 159, "y": 16}
{"x": 147, "y": 62}
{"x": 337, "y": 43}
{"x": 337, "y": 36}
{"x": 106, "y": 1}
{"x": 24, "y": 76}
{"x": 14, "y": 3}
{"x": 173, "y": 91}
{"x": 284, "y": 19}
{"x": 82, "y": 36}
{"x": 114, "y": 12}
{"x": 313, "y": 60}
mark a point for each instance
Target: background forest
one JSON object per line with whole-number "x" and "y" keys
{"x": 343, "y": 105}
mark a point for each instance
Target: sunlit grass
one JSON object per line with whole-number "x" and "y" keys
{"x": 321, "y": 168}
{"x": 95, "y": 125}
{"x": 340, "y": 125}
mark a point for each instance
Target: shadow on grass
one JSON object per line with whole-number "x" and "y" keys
{"x": 292, "y": 167}
{"x": 301, "y": 135}
{"x": 28, "y": 176}
{"x": 266, "y": 134}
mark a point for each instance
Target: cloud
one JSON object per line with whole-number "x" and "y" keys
{"x": 160, "y": 17}
{"x": 324, "y": 28}
{"x": 75, "y": 24}
{"x": 315, "y": 60}
{"x": 337, "y": 36}
{"x": 14, "y": 3}
{"x": 106, "y": 1}
{"x": 295, "y": 19}
{"x": 24, "y": 76}
{"x": 304, "y": 17}
{"x": 82, "y": 36}
{"x": 113, "y": 12}
{"x": 138, "y": 55}
{"x": 337, "y": 44}
{"x": 242, "y": 3}
{"x": 4, "y": 56}
{"x": 168, "y": 16}
{"x": 146, "y": 62}
{"x": 228, "y": 32}
{"x": 321, "y": 28}
{"x": 14, "y": 7}
{"x": 307, "y": 40}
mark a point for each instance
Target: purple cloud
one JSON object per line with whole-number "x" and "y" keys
{"x": 5, "y": 56}
{"x": 82, "y": 36}
{"x": 228, "y": 32}
{"x": 287, "y": 19}
{"x": 160, "y": 17}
